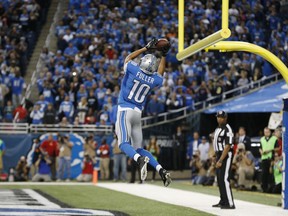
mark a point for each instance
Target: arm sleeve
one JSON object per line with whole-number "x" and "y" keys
{"x": 125, "y": 67}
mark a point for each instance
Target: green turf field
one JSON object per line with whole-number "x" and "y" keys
{"x": 98, "y": 198}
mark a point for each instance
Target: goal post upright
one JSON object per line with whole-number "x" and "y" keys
{"x": 220, "y": 35}
{"x": 181, "y": 16}
{"x": 225, "y": 14}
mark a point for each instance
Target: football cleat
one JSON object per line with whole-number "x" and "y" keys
{"x": 166, "y": 178}
{"x": 142, "y": 162}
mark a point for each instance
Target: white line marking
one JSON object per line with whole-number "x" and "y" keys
{"x": 41, "y": 199}
{"x": 47, "y": 183}
{"x": 201, "y": 202}
{"x": 19, "y": 204}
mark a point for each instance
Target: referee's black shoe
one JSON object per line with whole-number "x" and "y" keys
{"x": 218, "y": 205}
{"x": 227, "y": 207}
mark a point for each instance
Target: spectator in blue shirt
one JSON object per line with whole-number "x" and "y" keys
{"x": 44, "y": 171}
{"x": 100, "y": 94}
{"x": 59, "y": 57}
{"x": 82, "y": 92}
{"x": 48, "y": 91}
{"x": 8, "y": 112}
{"x": 37, "y": 114}
{"x": 17, "y": 87}
{"x": 267, "y": 69}
{"x": 153, "y": 106}
{"x": 190, "y": 71}
{"x": 24, "y": 19}
{"x": 61, "y": 28}
{"x": 89, "y": 81}
{"x": 67, "y": 109}
{"x": 70, "y": 51}
{"x": 43, "y": 104}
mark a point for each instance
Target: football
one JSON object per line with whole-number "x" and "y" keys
{"x": 162, "y": 42}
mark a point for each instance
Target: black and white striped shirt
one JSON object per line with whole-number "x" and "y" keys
{"x": 223, "y": 136}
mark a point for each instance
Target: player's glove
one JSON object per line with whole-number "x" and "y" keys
{"x": 165, "y": 50}
{"x": 151, "y": 44}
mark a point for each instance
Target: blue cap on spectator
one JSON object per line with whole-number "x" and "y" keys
{"x": 221, "y": 113}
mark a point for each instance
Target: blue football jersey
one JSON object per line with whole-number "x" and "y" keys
{"x": 136, "y": 86}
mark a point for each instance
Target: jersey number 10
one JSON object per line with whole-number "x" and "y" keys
{"x": 139, "y": 92}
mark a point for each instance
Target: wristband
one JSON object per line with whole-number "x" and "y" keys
{"x": 220, "y": 161}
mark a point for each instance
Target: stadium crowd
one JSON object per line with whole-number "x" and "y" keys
{"x": 20, "y": 25}
{"x": 81, "y": 80}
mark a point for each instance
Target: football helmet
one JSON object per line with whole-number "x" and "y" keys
{"x": 148, "y": 64}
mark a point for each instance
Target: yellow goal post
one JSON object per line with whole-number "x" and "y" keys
{"x": 215, "y": 41}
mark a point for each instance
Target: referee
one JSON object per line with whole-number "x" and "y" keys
{"x": 223, "y": 147}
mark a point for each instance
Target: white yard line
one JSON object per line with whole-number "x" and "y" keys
{"x": 193, "y": 200}
{"x": 46, "y": 183}
{"x": 41, "y": 199}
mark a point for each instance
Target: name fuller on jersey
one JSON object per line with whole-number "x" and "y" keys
{"x": 144, "y": 77}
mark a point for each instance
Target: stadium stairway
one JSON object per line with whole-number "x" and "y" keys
{"x": 46, "y": 38}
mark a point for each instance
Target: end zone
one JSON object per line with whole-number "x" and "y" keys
{"x": 33, "y": 203}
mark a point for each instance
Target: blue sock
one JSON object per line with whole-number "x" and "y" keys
{"x": 127, "y": 149}
{"x": 152, "y": 160}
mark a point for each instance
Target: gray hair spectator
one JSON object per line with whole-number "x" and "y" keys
{"x": 244, "y": 161}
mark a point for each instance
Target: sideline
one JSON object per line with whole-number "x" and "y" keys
{"x": 199, "y": 201}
